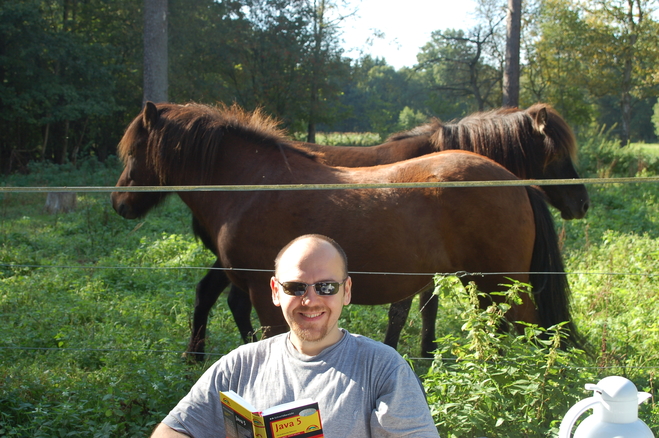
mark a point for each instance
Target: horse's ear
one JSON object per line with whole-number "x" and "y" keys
{"x": 540, "y": 120}
{"x": 150, "y": 115}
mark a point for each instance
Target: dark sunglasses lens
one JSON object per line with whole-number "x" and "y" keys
{"x": 298, "y": 289}
{"x": 326, "y": 288}
{"x": 294, "y": 288}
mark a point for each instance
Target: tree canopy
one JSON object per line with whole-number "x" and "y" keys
{"x": 71, "y": 71}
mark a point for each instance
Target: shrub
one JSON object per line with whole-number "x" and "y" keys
{"x": 600, "y": 155}
{"x": 485, "y": 382}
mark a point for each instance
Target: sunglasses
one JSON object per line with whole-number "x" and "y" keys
{"x": 322, "y": 288}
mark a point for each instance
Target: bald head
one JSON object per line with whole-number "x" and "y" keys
{"x": 308, "y": 244}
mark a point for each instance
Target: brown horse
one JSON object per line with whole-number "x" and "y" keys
{"x": 494, "y": 229}
{"x": 534, "y": 143}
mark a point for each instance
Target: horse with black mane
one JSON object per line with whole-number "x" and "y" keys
{"x": 494, "y": 229}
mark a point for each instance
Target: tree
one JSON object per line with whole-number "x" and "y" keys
{"x": 587, "y": 52}
{"x": 376, "y": 94}
{"x": 56, "y": 77}
{"x": 464, "y": 65}
{"x": 511, "y": 70}
{"x": 624, "y": 44}
{"x": 206, "y": 40}
{"x": 325, "y": 61}
{"x": 155, "y": 51}
{"x": 553, "y": 69}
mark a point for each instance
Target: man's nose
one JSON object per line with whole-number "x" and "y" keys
{"x": 310, "y": 295}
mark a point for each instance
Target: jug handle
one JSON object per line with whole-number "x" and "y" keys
{"x": 573, "y": 413}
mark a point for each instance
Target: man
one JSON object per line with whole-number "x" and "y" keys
{"x": 363, "y": 388}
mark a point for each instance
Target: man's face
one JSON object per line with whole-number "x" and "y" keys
{"x": 313, "y": 319}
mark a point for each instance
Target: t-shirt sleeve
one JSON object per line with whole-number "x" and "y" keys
{"x": 401, "y": 409}
{"x": 199, "y": 413}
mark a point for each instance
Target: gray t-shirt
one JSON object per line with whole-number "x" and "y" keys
{"x": 363, "y": 389}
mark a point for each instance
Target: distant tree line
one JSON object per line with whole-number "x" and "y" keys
{"x": 71, "y": 70}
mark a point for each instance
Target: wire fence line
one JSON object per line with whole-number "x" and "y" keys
{"x": 459, "y": 274}
{"x": 217, "y": 355}
{"x": 389, "y": 185}
{"x": 292, "y": 187}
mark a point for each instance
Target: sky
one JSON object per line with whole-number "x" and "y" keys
{"x": 406, "y": 25}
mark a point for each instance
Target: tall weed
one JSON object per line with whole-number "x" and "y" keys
{"x": 485, "y": 382}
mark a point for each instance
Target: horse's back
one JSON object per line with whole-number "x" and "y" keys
{"x": 365, "y": 156}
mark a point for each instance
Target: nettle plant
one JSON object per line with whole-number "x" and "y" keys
{"x": 491, "y": 380}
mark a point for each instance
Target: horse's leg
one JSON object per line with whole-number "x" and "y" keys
{"x": 241, "y": 309}
{"x": 270, "y": 316}
{"x": 428, "y": 304}
{"x": 208, "y": 289}
{"x": 397, "y": 316}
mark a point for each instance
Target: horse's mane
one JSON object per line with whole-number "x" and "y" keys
{"x": 505, "y": 135}
{"x": 189, "y": 136}
{"x": 425, "y": 129}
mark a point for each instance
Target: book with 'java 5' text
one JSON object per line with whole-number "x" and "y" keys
{"x": 299, "y": 419}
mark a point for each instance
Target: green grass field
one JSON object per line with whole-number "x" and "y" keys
{"x": 648, "y": 148}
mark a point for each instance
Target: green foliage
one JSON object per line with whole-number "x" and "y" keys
{"x": 96, "y": 312}
{"x": 343, "y": 138}
{"x": 593, "y": 62}
{"x": 462, "y": 66}
{"x": 487, "y": 383}
{"x": 376, "y": 95}
{"x": 655, "y": 118}
{"x": 408, "y": 119}
{"x": 600, "y": 155}
{"x": 59, "y": 74}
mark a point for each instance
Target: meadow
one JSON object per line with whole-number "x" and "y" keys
{"x": 96, "y": 313}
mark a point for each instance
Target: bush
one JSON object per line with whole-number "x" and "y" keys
{"x": 342, "y": 138}
{"x": 485, "y": 382}
{"x": 600, "y": 155}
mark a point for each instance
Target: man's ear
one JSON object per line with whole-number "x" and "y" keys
{"x": 275, "y": 293}
{"x": 347, "y": 294}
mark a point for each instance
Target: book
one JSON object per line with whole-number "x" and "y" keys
{"x": 299, "y": 419}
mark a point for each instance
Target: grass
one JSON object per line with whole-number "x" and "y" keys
{"x": 646, "y": 148}
{"x": 96, "y": 312}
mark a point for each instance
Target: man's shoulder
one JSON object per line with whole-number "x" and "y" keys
{"x": 257, "y": 348}
{"x": 371, "y": 346}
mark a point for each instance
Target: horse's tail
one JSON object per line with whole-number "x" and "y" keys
{"x": 551, "y": 289}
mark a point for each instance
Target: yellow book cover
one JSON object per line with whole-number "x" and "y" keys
{"x": 300, "y": 419}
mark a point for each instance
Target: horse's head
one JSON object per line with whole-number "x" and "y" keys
{"x": 138, "y": 170}
{"x": 559, "y": 151}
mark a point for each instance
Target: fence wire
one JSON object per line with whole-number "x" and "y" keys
{"x": 294, "y": 187}
{"x": 388, "y": 185}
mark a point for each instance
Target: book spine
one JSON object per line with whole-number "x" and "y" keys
{"x": 258, "y": 425}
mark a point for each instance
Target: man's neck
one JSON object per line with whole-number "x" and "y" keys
{"x": 314, "y": 348}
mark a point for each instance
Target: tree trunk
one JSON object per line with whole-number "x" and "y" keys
{"x": 626, "y": 104}
{"x": 45, "y": 142}
{"x": 318, "y": 35}
{"x": 155, "y": 51}
{"x": 511, "y": 71}
{"x": 60, "y": 202}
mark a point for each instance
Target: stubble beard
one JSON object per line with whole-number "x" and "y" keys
{"x": 312, "y": 332}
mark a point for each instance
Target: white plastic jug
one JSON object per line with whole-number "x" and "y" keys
{"x": 615, "y": 412}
